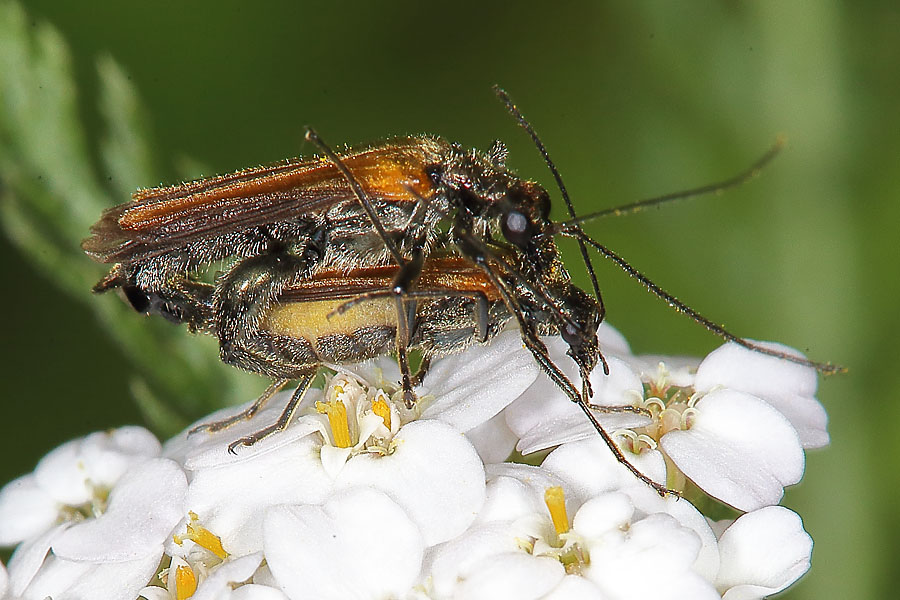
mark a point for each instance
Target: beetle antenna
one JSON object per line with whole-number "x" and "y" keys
{"x": 678, "y": 305}
{"x": 524, "y": 124}
{"x": 712, "y": 188}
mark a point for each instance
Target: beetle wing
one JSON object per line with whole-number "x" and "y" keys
{"x": 165, "y": 219}
{"x": 449, "y": 273}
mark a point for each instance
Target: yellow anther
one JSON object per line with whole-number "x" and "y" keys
{"x": 185, "y": 582}
{"x": 555, "y": 499}
{"x": 337, "y": 418}
{"x": 383, "y": 410}
{"x": 201, "y": 536}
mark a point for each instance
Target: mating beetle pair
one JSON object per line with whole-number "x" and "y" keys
{"x": 410, "y": 243}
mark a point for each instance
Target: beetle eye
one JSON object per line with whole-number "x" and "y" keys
{"x": 138, "y": 299}
{"x": 571, "y": 334}
{"x": 516, "y": 228}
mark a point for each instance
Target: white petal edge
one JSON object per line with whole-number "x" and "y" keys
{"x": 26, "y": 561}
{"x": 739, "y": 450}
{"x": 233, "y": 571}
{"x": 359, "y": 544}
{"x": 143, "y": 508}
{"x": 511, "y": 575}
{"x": 763, "y": 552}
{"x": 232, "y": 499}
{"x": 493, "y": 440}
{"x": 26, "y": 510}
{"x": 473, "y": 386}
{"x": 434, "y": 473}
{"x": 69, "y": 580}
{"x": 257, "y": 592}
{"x": 787, "y": 386}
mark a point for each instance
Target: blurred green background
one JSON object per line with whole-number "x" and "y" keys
{"x": 632, "y": 99}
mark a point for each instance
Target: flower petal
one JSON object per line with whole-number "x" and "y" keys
{"x": 434, "y": 473}
{"x": 359, "y": 544}
{"x": 787, "y": 386}
{"x": 611, "y": 511}
{"x": 69, "y": 580}
{"x": 678, "y": 370}
{"x": 544, "y": 416}
{"x": 591, "y": 468}
{"x": 473, "y": 386}
{"x": 619, "y": 561}
{"x": 515, "y": 491}
{"x": 231, "y": 499}
{"x": 763, "y": 552}
{"x": 451, "y": 562}
{"x": 739, "y": 368}
{"x": 26, "y": 561}
{"x": 555, "y": 431}
{"x": 511, "y": 575}
{"x": 143, "y": 508}
{"x": 210, "y": 449}
{"x": 26, "y": 510}
{"x": 71, "y": 472}
{"x": 575, "y": 587}
{"x": 493, "y": 439}
{"x": 222, "y": 577}
{"x": 257, "y": 592}
{"x": 739, "y": 450}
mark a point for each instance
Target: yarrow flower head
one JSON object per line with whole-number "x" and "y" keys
{"x": 362, "y": 497}
{"x": 734, "y": 424}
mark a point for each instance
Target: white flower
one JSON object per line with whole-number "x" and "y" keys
{"x": 358, "y": 544}
{"x": 222, "y": 582}
{"x": 760, "y": 554}
{"x": 730, "y": 424}
{"x": 427, "y": 467}
{"x": 788, "y": 387}
{"x": 362, "y": 497}
{"x": 144, "y": 506}
{"x": 523, "y": 546}
{"x": 589, "y": 470}
{"x": 123, "y": 505}
{"x": 71, "y": 483}
{"x": 763, "y": 552}
{"x": 357, "y": 435}
{"x": 70, "y": 580}
{"x": 544, "y": 416}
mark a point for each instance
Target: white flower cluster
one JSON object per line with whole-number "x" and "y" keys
{"x": 360, "y": 498}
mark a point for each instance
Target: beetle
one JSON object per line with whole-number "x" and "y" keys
{"x": 327, "y": 221}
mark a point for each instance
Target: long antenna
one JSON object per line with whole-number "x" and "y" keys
{"x": 712, "y": 188}
{"x": 524, "y": 124}
{"x": 678, "y": 305}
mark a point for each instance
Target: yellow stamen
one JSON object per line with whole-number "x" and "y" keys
{"x": 555, "y": 499}
{"x": 337, "y": 418}
{"x": 201, "y": 536}
{"x": 185, "y": 582}
{"x": 381, "y": 408}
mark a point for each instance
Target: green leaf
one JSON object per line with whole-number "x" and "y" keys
{"x": 52, "y": 193}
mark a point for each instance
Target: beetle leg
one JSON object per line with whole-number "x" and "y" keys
{"x": 284, "y": 419}
{"x": 245, "y": 414}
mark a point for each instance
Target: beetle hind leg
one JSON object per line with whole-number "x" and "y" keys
{"x": 246, "y": 414}
{"x": 284, "y": 419}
